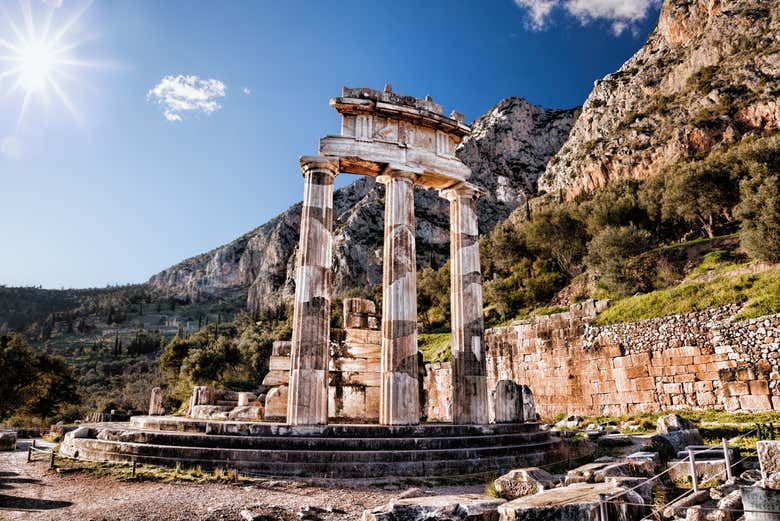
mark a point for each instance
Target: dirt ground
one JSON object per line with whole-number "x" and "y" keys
{"x": 32, "y": 491}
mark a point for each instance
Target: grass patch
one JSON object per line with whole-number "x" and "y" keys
{"x": 435, "y": 347}
{"x": 177, "y": 474}
{"x": 760, "y": 292}
{"x": 718, "y": 261}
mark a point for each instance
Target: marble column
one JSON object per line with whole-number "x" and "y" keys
{"x": 307, "y": 402}
{"x": 399, "y": 402}
{"x": 469, "y": 380}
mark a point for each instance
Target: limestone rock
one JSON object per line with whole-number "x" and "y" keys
{"x": 575, "y": 502}
{"x": 672, "y": 422}
{"x": 769, "y": 456}
{"x": 523, "y": 482}
{"x": 670, "y": 101}
{"x": 462, "y": 507}
{"x": 570, "y": 422}
{"x": 677, "y": 440}
{"x": 7, "y": 440}
{"x": 156, "y": 402}
{"x": 276, "y": 403}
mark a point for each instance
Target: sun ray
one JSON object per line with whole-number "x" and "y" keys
{"x": 65, "y": 99}
{"x": 38, "y": 53}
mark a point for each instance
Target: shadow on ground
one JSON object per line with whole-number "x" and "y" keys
{"x": 9, "y": 480}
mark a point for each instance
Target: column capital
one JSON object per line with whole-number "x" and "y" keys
{"x": 462, "y": 190}
{"x": 319, "y": 164}
{"x": 391, "y": 172}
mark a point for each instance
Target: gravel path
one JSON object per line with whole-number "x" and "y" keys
{"x": 32, "y": 491}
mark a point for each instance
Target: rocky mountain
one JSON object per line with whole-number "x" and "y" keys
{"x": 708, "y": 75}
{"x": 507, "y": 151}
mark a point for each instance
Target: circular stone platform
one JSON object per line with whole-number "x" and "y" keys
{"x": 329, "y": 451}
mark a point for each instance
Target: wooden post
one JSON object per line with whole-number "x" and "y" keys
{"x": 132, "y": 471}
{"x": 727, "y": 459}
{"x": 694, "y": 478}
{"x": 51, "y": 459}
{"x": 29, "y": 454}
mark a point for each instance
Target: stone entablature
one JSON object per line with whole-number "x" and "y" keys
{"x": 695, "y": 360}
{"x": 381, "y": 129}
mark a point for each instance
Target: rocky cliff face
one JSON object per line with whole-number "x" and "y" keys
{"x": 507, "y": 151}
{"x": 708, "y": 75}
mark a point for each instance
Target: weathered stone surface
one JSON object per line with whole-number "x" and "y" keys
{"x": 678, "y": 440}
{"x": 529, "y": 407}
{"x": 156, "y": 402}
{"x": 247, "y": 412}
{"x": 7, "y": 440}
{"x": 508, "y": 402}
{"x": 469, "y": 379}
{"x": 575, "y": 502}
{"x": 702, "y": 359}
{"x": 672, "y": 422}
{"x": 522, "y": 482}
{"x": 309, "y": 352}
{"x": 769, "y": 456}
{"x": 462, "y": 507}
{"x": 399, "y": 402}
{"x": 680, "y": 470}
{"x": 276, "y": 404}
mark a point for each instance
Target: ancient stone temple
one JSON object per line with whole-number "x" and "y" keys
{"x": 356, "y": 401}
{"x": 404, "y": 142}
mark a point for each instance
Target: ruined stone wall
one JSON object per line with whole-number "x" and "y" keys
{"x": 697, "y": 360}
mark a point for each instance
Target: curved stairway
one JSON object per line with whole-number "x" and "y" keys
{"x": 330, "y": 451}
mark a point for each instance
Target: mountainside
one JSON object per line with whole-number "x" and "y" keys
{"x": 507, "y": 151}
{"x": 709, "y": 74}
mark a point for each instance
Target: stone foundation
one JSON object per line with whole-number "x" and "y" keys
{"x": 696, "y": 360}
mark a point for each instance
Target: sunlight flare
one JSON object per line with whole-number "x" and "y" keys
{"x": 38, "y": 57}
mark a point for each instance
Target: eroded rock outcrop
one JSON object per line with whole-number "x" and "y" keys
{"x": 707, "y": 75}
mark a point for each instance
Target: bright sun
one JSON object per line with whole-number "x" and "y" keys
{"x": 37, "y": 61}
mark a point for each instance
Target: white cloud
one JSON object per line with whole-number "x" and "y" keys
{"x": 54, "y": 4}
{"x": 246, "y": 91}
{"x": 179, "y": 95}
{"x": 622, "y": 14}
{"x": 538, "y": 11}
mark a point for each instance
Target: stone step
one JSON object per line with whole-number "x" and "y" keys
{"x": 312, "y": 456}
{"x": 98, "y": 450}
{"x": 292, "y": 443}
{"x": 238, "y": 428}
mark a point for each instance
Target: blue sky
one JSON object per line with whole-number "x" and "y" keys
{"x": 184, "y": 120}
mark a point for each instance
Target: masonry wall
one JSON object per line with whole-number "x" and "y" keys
{"x": 697, "y": 360}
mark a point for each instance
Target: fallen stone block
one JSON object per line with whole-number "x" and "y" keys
{"x": 461, "y": 507}
{"x": 680, "y": 470}
{"x": 570, "y": 422}
{"x": 249, "y": 412}
{"x": 210, "y": 412}
{"x": 522, "y": 482}
{"x": 671, "y": 423}
{"x": 683, "y": 504}
{"x": 676, "y": 441}
{"x": 769, "y": 456}
{"x": 573, "y": 503}
{"x": 7, "y": 440}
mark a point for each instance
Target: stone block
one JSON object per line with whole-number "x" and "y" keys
{"x": 461, "y": 507}
{"x": 7, "y": 440}
{"x": 156, "y": 402}
{"x": 755, "y": 403}
{"x": 736, "y": 388}
{"x": 671, "y": 423}
{"x": 769, "y": 456}
{"x": 676, "y": 440}
{"x": 276, "y": 404}
{"x": 281, "y": 348}
{"x": 523, "y": 482}
{"x": 279, "y": 363}
{"x": 758, "y": 387}
{"x": 575, "y": 502}
{"x": 274, "y": 378}
{"x": 508, "y": 402}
